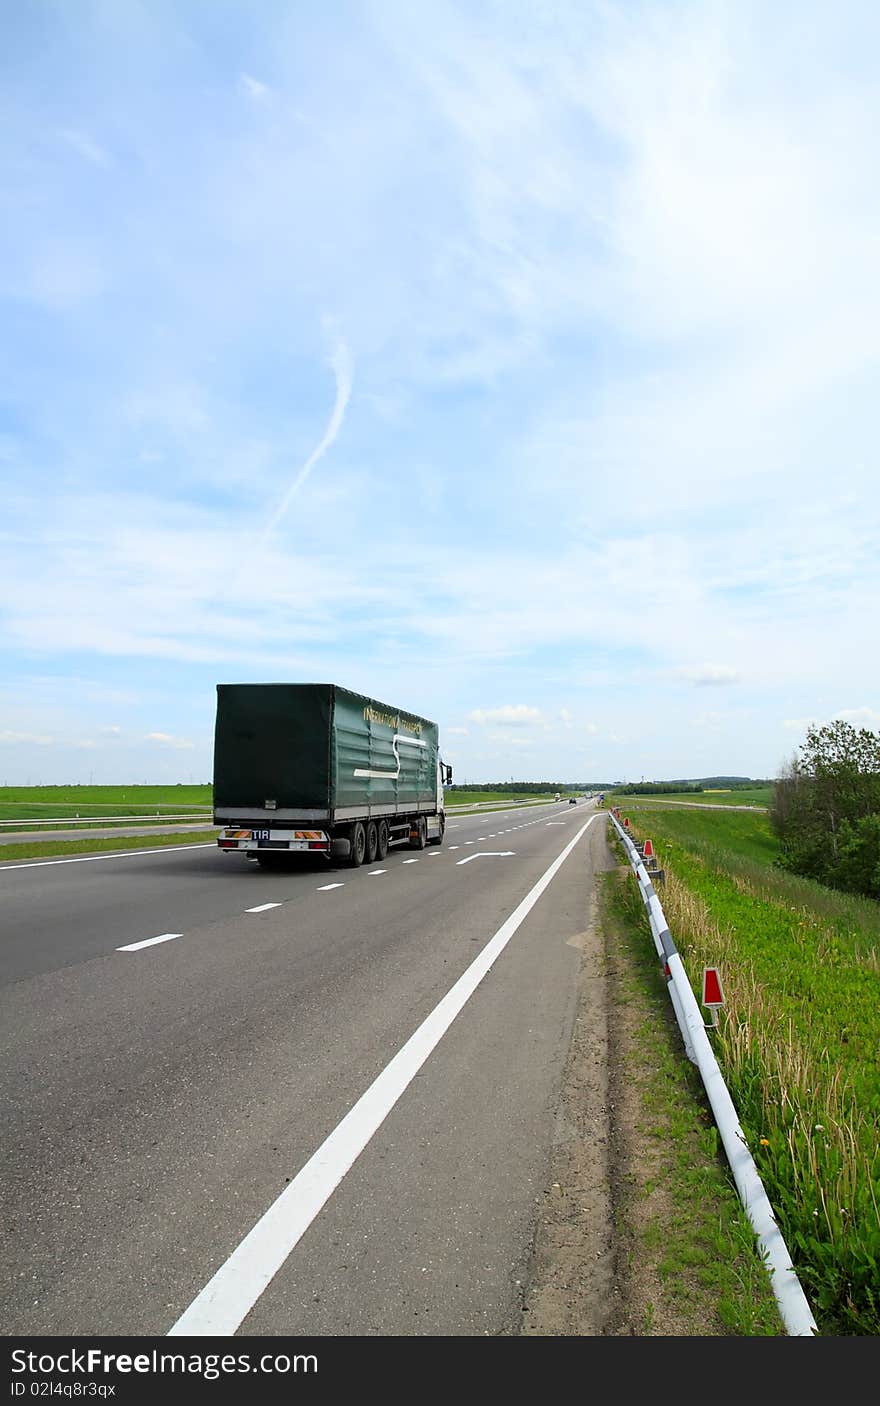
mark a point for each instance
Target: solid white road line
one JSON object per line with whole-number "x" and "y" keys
{"x": 150, "y": 942}
{"x": 263, "y": 908}
{"x": 229, "y": 1296}
{"x": 90, "y": 858}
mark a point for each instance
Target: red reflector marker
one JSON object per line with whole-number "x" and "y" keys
{"x": 713, "y": 996}
{"x": 712, "y": 993}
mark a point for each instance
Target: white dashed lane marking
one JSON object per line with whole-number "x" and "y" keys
{"x": 324, "y": 888}
{"x": 150, "y": 942}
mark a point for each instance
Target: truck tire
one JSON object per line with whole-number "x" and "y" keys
{"x": 358, "y": 845}
{"x": 372, "y": 842}
{"x": 382, "y": 839}
{"x": 421, "y": 838}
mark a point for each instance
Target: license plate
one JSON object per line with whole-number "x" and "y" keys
{"x": 260, "y": 834}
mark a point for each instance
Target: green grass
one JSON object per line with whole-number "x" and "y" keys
{"x": 83, "y": 844}
{"x": 700, "y": 1243}
{"x": 713, "y": 834}
{"x": 799, "y": 1040}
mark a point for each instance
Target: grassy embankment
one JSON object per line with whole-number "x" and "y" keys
{"x": 798, "y": 1042}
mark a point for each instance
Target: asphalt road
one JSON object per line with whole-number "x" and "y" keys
{"x": 156, "y": 1102}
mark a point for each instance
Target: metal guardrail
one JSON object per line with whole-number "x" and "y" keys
{"x": 787, "y": 1289}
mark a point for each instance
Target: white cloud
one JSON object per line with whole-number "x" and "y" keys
{"x": 708, "y": 675}
{"x": 167, "y": 740}
{"x": 343, "y": 370}
{"x": 860, "y": 717}
{"x": 607, "y": 276}
{"x": 511, "y": 715}
{"x": 35, "y": 739}
{"x": 254, "y": 88}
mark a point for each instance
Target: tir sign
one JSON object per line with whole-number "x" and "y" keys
{"x": 713, "y": 996}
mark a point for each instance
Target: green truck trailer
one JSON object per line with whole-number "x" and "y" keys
{"x": 302, "y": 767}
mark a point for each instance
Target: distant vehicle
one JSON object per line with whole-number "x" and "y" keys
{"x": 314, "y": 767}
{"x": 558, "y": 797}
{"x": 572, "y": 800}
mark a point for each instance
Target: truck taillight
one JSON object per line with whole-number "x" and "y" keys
{"x": 317, "y": 844}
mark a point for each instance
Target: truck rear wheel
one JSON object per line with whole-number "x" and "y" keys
{"x": 358, "y": 845}
{"x": 382, "y": 839}
{"x": 372, "y": 842}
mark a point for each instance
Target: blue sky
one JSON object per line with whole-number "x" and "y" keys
{"x": 513, "y": 364}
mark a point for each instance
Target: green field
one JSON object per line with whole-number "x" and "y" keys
{"x": 799, "y": 1039}
{"x": 477, "y": 797}
{"x": 748, "y": 796}
{"x": 67, "y": 802}
{"x": 43, "y": 804}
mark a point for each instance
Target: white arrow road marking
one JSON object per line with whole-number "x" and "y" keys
{"x": 150, "y": 942}
{"x": 486, "y": 854}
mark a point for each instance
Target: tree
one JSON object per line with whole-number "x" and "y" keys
{"x": 822, "y": 802}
